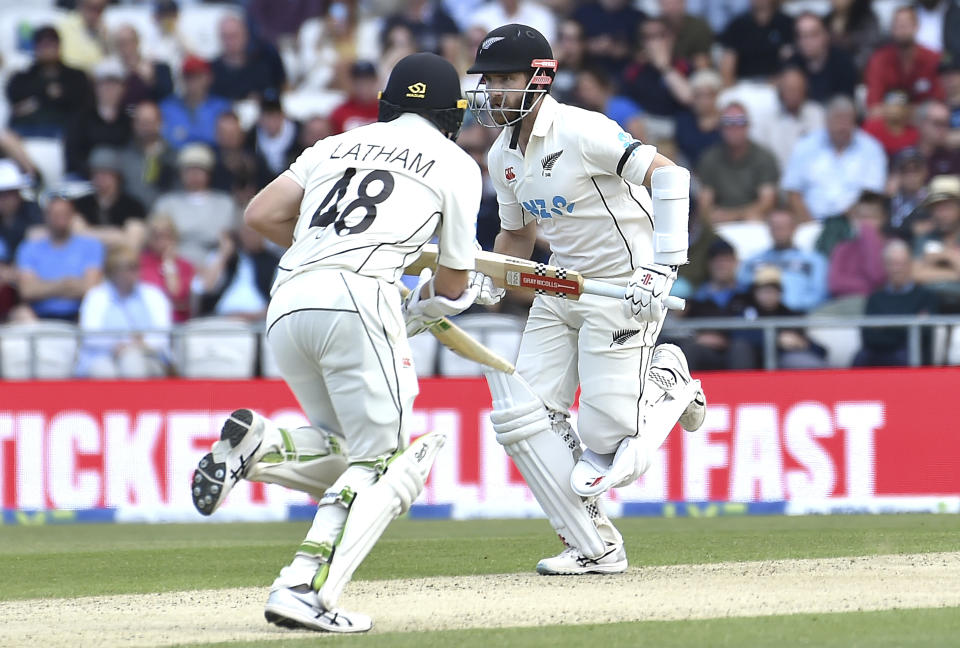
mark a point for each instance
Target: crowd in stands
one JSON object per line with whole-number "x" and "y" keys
{"x": 823, "y": 136}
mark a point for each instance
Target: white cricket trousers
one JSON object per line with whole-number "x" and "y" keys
{"x": 341, "y": 345}
{"x": 589, "y": 343}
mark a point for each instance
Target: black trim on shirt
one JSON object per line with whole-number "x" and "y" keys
{"x": 642, "y": 208}
{"x": 617, "y": 224}
{"x": 626, "y": 156}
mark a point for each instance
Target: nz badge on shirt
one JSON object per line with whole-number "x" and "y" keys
{"x": 542, "y": 208}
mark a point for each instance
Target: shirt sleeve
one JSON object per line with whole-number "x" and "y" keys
{"x": 96, "y": 258}
{"x": 793, "y": 179}
{"x": 26, "y": 259}
{"x": 607, "y": 149}
{"x": 875, "y": 169}
{"x": 303, "y": 165}
{"x": 458, "y": 226}
{"x": 511, "y": 213}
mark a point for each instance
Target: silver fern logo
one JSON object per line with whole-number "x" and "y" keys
{"x": 622, "y": 335}
{"x": 490, "y": 41}
{"x": 548, "y": 161}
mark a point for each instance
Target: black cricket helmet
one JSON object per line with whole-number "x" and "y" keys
{"x": 507, "y": 49}
{"x": 427, "y": 85}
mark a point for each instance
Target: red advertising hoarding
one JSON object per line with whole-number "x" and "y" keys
{"x": 816, "y": 436}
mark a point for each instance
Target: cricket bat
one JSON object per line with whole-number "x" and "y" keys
{"x": 457, "y": 340}
{"x": 523, "y": 274}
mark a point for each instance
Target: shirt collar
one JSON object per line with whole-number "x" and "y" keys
{"x": 548, "y": 112}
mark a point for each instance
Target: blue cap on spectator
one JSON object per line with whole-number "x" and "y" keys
{"x": 719, "y": 248}
{"x": 363, "y": 70}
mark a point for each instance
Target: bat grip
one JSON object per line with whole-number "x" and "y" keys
{"x": 604, "y": 289}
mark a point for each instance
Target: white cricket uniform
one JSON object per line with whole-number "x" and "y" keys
{"x": 581, "y": 178}
{"x": 372, "y": 198}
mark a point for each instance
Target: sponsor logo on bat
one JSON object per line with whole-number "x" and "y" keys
{"x": 513, "y": 278}
{"x": 549, "y": 284}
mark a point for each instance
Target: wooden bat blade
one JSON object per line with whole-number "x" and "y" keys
{"x": 460, "y": 342}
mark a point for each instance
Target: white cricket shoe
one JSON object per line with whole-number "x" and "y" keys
{"x": 571, "y": 562}
{"x": 299, "y": 607}
{"x": 668, "y": 368}
{"x": 240, "y": 446}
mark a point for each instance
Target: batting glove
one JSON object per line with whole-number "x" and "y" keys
{"x": 648, "y": 287}
{"x": 489, "y": 293}
{"x": 420, "y": 313}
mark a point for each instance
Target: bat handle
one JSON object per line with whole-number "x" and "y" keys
{"x": 604, "y": 289}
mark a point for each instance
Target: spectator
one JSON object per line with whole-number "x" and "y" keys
{"x": 17, "y": 215}
{"x": 524, "y": 12}
{"x": 162, "y": 266}
{"x": 134, "y": 316}
{"x": 145, "y": 79}
{"x": 902, "y": 65}
{"x": 718, "y": 13}
{"x": 739, "y": 178}
{"x": 656, "y": 81}
{"x": 892, "y": 127}
{"x": 167, "y": 45}
{"x": 856, "y": 264}
{"x": 236, "y": 282}
{"x": 113, "y": 216}
{"x": 951, "y": 33}
{"x": 148, "y": 162}
{"x": 854, "y": 28}
{"x": 313, "y": 130}
{"x": 699, "y": 128}
{"x": 279, "y": 21}
{"x": 106, "y": 123}
{"x": 938, "y": 266}
{"x": 756, "y": 43}
{"x": 718, "y": 297}
{"x": 363, "y": 103}
{"x": 56, "y": 270}
{"x": 829, "y": 69}
{"x": 247, "y": 68}
{"x": 933, "y": 124}
{"x": 830, "y": 167}
{"x": 887, "y": 347}
{"x": 596, "y": 91}
{"x": 474, "y": 140}
{"x": 569, "y": 52}
{"x": 275, "y": 136}
{"x": 907, "y": 218}
{"x": 432, "y": 27}
{"x": 693, "y": 36}
{"x": 84, "y": 35}
{"x": 610, "y": 28}
{"x": 693, "y": 274}
{"x": 44, "y": 96}
{"x": 794, "y": 349}
{"x": 795, "y": 116}
{"x": 950, "y": 80}
{"x": 192, "y": 117}
{"x": 200, "y": 214}
{"x": 238, "y": 170}
{"x": 803, "y": 273}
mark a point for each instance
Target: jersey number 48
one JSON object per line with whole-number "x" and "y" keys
{"x": 332, "y": 215}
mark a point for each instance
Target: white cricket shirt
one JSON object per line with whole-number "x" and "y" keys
{"x": 581, "y": 179}
{"x": 373, "y": 196}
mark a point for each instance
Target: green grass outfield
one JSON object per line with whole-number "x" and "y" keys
{"x": 81, "y": 560}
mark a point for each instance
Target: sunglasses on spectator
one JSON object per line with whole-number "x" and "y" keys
{"x": 733, "y": 121}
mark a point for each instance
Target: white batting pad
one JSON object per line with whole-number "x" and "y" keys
{"x": 523, "y": 429}
{"x": 375, "y": 507}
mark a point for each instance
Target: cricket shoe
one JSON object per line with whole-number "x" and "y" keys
{"x": 240, "y": 446}
{"x": 570, "y": 562}
{"x": 299, "y": 607}
{"x": 668, "y": 368}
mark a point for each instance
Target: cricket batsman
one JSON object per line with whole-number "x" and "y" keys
{"x": 586, "y": 185}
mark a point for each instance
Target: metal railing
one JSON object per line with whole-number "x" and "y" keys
{"x": 770, "y": 325}
{"x": 674, "y": 327}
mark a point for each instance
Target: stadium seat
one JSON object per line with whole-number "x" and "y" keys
{"x": 55, "y": 344}
{"x": 841, "y": 343}
{"x": 199, "y": 27}
{"x": 46, "y": 153}
{"x": 806, "y": 235}
{"x": 747, "y": 237}
{"x": 17, "y": 24}
{"x": 499, "y": 333}
{"x": 796, "y": 7}
{"x": 215, "y": 347}
{"x": 304, "y": 104}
